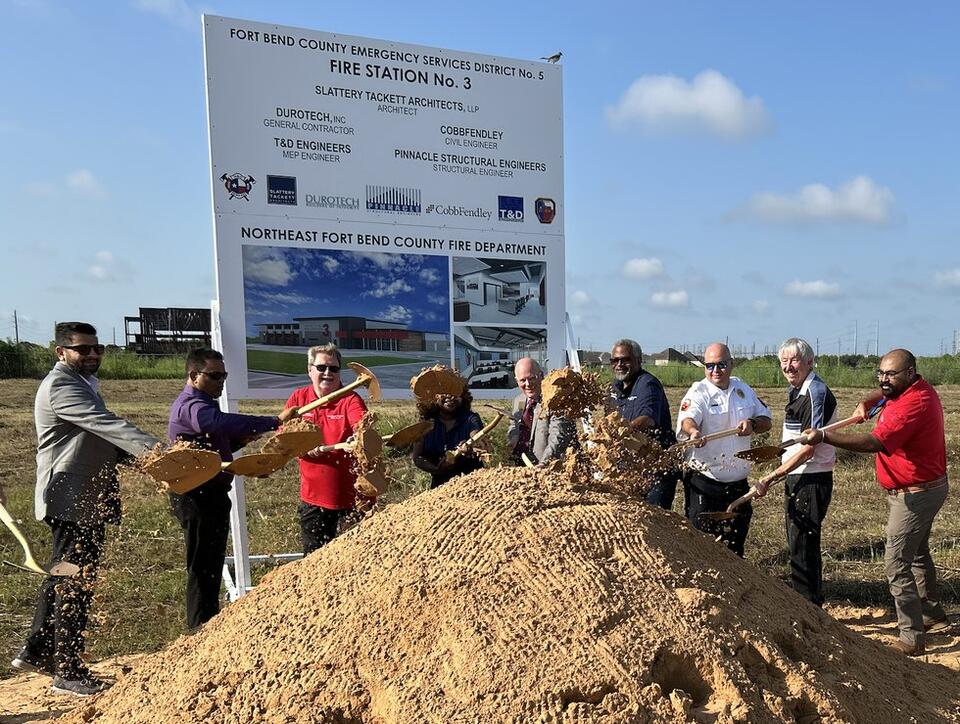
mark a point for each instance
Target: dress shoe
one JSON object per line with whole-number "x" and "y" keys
{"x": 907, "y": 649}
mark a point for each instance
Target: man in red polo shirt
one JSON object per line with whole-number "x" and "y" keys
{"x": 326, "y": 479}
{"x": 912, "y": 468}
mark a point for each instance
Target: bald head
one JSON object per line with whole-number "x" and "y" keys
{"x": 718, "y": 364}
{"x": 529, "y": 376}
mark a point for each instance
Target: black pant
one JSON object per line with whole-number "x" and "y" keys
{"x": 706, "y": 495}
{"x": 664, "y": 490}
{"x": 806, "y": 500}
{"x": 204, "y": 515}
{"x": 318, "y": 526}
{"x": 57, "y": 633}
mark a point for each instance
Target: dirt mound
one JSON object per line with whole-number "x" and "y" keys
{"x": 519, "y": 595}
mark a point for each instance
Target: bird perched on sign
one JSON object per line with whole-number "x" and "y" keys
{"x": 552, "y": 58}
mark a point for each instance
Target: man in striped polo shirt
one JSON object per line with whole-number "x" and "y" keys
{"x": 808, "y": 469}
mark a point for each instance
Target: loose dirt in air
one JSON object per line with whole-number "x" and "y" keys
{"x": 572, "y": 394}
{"x": 435, "y": 381}
{"x": 523, "y": 595}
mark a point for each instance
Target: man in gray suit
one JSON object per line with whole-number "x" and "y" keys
{"x": 79, "y": 442}
{"x": 542, "y": 439}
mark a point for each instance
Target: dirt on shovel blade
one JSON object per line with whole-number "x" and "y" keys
{"x": 522, "y": 595}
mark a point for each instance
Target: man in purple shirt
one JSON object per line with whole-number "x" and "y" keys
{"x": 204, "y": 513}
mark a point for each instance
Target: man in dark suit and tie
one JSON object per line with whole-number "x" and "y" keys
{"x": 541, "y": 438}
{"x": 79, "y": 442}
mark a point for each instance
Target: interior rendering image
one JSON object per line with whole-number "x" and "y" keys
{"x": 499, "y": 291}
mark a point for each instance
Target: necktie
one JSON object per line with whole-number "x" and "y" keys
{"x": 526, "y": 423}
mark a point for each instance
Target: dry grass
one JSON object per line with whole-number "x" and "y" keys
{"x": 139, "y": 603}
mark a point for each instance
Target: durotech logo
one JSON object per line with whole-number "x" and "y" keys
{"x": 238, "y": 185}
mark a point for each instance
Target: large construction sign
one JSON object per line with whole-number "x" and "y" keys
{"x": 403, "y": 202}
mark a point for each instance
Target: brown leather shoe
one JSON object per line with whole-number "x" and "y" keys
{"x": 907, "y": 649}
{"x": 939, "y": 626}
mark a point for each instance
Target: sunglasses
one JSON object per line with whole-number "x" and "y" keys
{"x": 215, "y": 376}
{"x": 711, "y": 366}
{"x": 85, "y": 349}
{"x": 614, "y": 361}
{"x": 326, "y": 368}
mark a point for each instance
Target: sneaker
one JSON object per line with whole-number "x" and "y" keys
{"x": 939, "y": 626}
{"x": 27, "y": 661}
{"x": 83, "y": 686}
{"x": 903, "y": 647}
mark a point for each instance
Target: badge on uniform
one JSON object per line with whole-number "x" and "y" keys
{"x": 684, "y": 406}
{"x": 740, "y": 393}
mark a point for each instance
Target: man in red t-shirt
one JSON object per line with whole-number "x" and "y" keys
{"x": 912, "y": 468}
{"x": 326, "y": 480}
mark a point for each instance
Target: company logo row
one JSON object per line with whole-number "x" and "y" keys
{"x": 282, "y": 191}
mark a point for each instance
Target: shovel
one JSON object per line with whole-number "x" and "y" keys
{"x": 766, "y": 453}
{"x": 468, "y": 444}
{"x": 684, "y": 444}
{"x": 406, "y": 436}
{"x": 299, "y": 442}
{"x": 183, "y": 470}
{"x": 526, "y": 460}
{"x": 60, "y": 568}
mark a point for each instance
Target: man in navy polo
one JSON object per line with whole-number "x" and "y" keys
{"x": 640, "y": 399}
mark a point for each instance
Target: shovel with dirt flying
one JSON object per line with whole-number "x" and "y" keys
{"x": 301, "y": 436}
{"x": 773, "y": 452}
{"x": 60, "y": 568}
{"x": 471, "y": 442}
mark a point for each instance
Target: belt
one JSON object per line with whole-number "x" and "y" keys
{"x": 922, "y": 488}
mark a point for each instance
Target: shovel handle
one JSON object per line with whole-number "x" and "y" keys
{"x": 707, "y": 438}
{"x": 30, "y": 562}
{"x": 335, "y": 395}
{"x": 852, "y": 420}
{"x": 750, "y": 495}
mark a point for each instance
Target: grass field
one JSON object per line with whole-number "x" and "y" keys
{"x": 139, "y": 600}
{"x": 294, "y": 363}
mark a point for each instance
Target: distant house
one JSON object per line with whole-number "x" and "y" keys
{"x": 669, "y": 356}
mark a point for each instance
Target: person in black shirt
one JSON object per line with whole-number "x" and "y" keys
{"x": 640, "y": 399}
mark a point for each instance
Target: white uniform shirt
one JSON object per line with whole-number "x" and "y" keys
{"x": 714, "y": 410}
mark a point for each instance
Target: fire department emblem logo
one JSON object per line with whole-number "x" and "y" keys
{"x": 238, "y": 185}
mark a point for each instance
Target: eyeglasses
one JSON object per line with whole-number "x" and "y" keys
{"x": 614, "y": 361}
{"x": 215, "y": 376}
{"x": 326, "y": 368}
{"x": 711, "y": 366}
{"x": 889, "y": 374}
{"x": 85, "y": 349}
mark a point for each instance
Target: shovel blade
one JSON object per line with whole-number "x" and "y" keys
{"x": 372, "y": 383}
{"x": 721, "y": 515}
{"x": 64, "y": 568}
{"x": 257, "y": 465}
{"x": 406, "y": 436}
{"x": 761, "y": 454}
{"x": 184, "y": 470}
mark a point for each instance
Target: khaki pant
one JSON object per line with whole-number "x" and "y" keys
{"x": 909, "y": 565}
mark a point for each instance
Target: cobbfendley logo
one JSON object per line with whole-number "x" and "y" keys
{"x": 451, "y": 210}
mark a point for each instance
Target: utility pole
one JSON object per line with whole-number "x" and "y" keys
{"x": 855, "y": 350}
{"x": 838, "y": 353}
{"x": 16, "y": 328}
{"x": 878, "y": 338}
{"x": 817, "y": 350}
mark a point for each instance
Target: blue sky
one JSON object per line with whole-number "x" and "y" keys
{"x": 749, "y": 171}
{"x": 282, "y": 283}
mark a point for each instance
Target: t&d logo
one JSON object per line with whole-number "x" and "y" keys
{"x": 510, "y": 208}
{"x": 238, "y": 185}
{"x": 546, "y": 210}
{"x": 282, "y": 190}
{"x": 393, "y": 199}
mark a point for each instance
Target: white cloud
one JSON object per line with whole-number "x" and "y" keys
{"x": 107, "y": 268}
{"x": 438, "y": 299}
{"x": 579, "y": 298}
{"x": 948, "y": 278}
{"x": 266, "y": 266}
{"x": 397, "y": 286}
{"x": 678, "y": 298}
{"x": 329, "y": 264}
{"x": 710, "y": 103}
{"x": 761, "y": 306}
{"x": 173, "y": 11}
{"x": 429, "y": 276}
{"x": 643, "y": 268}
{"x": 818, "y": 289}
{"x": 284, "y": 297}
{"x": 82, "y": 181}
{"x": 397, "y": 313}
{"x": 860, "y": 200}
